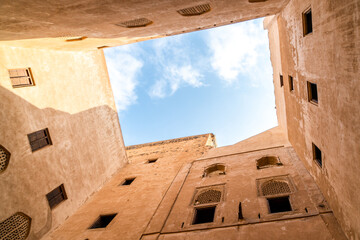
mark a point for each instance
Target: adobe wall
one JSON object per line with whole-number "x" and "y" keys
{"x": 137, "y": 203}
{"x": 72, "y": 97}
{"x": 329, "y": 57}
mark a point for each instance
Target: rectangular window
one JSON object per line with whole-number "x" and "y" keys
{"x": 307, "y": 21}
{"x": 204, "y": 215}
{"x": 317, "y": 154}
{"x": 103, "y": 221}
{"x": 279, "y": 204}
{"x": 56, "y": 196}
{"x": 21, "y": 77}
{"x": 128, "y": 181}
{"x": 281, "y": 81}
{"x": 312, "y": 92}
{"x": 291, "y": 83}
{"x": 39, "y": 139}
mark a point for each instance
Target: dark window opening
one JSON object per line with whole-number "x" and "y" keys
{"x": 281, "y": 81}
{"x": 240, "y": 215}
{"x": 103, "y": 221}
{"x": 291, "y": 83}
{"x": 152, "y": 160}
{"x": 39, "y": 139}
{"x": 317, "y": 155}
{"x": 279, "y": 204}
{"x": 56, "y": 196}
{"x": 307, "y": 22}
{"x": 128, "y": 181}
{"x": 312, "y": 92}
{"x": 21, "y": 77}
{"x": 204, "y": 215}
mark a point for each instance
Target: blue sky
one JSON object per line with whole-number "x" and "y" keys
{"x": 217, "y": 80}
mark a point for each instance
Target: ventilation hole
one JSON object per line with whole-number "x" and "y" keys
{"x": 214, "y": 170}
{"x": 73, "y": 39}
{"x": 268, "y": 161}
{"x": 101, "y": 47}
{"x": 196, "y": 10}
{"x": 255, "y": 1}
{"x": 4, "y": 158}
{"x": 140, "y": 22}
{"x": 275, "y": 187}
{"x": 16, "y": 227}
{"x": 210, "y": 196}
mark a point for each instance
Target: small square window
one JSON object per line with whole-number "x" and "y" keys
{"x": 21, "y": 77}
{"x": 39, "y": 139}
{"x": 291, "y": 83}
{"x": 281, "y": 81}
{"x": 312, "y": 92}
{"x": 56, "y": 196}
{"x": 103, "y": 221}
{"x": 279, "y": 204}
{"x": 152, "y": 160}
{"x": 204, "y": 215}
{"x": 307, "y": 22}
{"x": 317, "y": 154}
{"x": 128, "y": 181}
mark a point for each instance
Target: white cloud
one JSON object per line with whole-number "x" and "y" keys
{"x": 177, "y": 70}
{"x": 238, "y": 50}
{"x": 123, "y": 68}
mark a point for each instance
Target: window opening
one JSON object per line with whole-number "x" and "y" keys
{"x": 56, "y": 196}
{"x": 128, "y": 181}
{"x": 204, "y": 215}
{"x": 152, "y": 160}
{"x": 4, "y": 158}
{"x": 140, "y": 22}
{"x": 39, "y": 139}
{"x": 281, "y": 80}
{"x": 312, "y": 92}
{"x": 317, "y": 154}
{"x": 291, "y": 83}
{"x": 279, "y": 204}
{"x": 214, "y": 170}
{"x": 268, "y": 161}
{"x": 21, "y": 77}
{"x": 103, "y": 221}
{"x": 240, "y": 215}
{"x": 307, "y": 21}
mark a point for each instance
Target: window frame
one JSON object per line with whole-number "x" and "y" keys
{"x": 280, "y": 196}
{"x": 15, "y": 76}
{"x": 195, "y": 211}
{"x": 319, "y": 162}
{"x": 310, "y": 93}
{"x": 62, "y": 193}
{"x": 305, "y": 21}
{"x": 47, "y": 137}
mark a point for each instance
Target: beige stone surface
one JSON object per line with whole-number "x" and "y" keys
{"x": 72, "y": 97}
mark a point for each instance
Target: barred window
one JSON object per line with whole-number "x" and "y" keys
{"x": 16, "y": 227}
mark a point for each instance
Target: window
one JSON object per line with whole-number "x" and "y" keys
{"x": 15, "y": 227}
{"x": 274, "y": 187}
{"x": 152, "y": 160}
{"x": 4, "y": 158}
{"x": 281, "y": 81}
{"x": 255, "y": 1}
{"x": 21, "y": 77}
{"x": 39, "y": 139}
{"x": 196, "y": 10}
{"x": 268, "y": 161}
{"x": 103, "y": 221}
{"x": 317, "y": 155}
{"x": 279, "y": 204}
{"x": 291, "y": 83}
{"x": 208, "y": 196}
{"x": 56, "y": 196}
{"x": 128, "y": 181}
{"x": 204, "y": 215}
{"x": 140, "y": 22}
{"x": 312, "y": 92}
{"x": 307, "y": 21}
{"x": 214, "y": 170}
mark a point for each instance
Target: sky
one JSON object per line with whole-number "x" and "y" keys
{"x": 211, "y": 81}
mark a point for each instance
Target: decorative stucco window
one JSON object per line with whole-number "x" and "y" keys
{"x": 4, "y": 158}
{"x": 21, "y": 77}
{"x": 195, "y": 10}
{"x": 214, "y": 170}
{"x": 16, "y": 227}
{"x": 140, "y": 22}
{"x": 268, "y": 161}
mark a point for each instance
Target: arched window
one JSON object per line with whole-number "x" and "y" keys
{"x": 214, "y": 170}
{"x": 16, "y": 227}
{"x": 268, "y": 161}
{"x": 208, "y": 196}
{"x": 4, "y": 158}
{"x": 275, "y": 187}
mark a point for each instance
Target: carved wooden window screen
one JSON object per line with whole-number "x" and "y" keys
{"x": 4, "y": 158}
{"x": 195, "y": 10}
{"x": 16, "y": 227}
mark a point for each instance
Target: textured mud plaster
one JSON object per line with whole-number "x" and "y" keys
{"x": 327, "y": 57}
{"x": 49, "y": 24}
{"x": 72, "y": 98}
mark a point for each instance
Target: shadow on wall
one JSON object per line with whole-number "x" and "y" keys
{"x": 87, "y": 148}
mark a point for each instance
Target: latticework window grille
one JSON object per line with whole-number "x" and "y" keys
{"x": 16, "y": 227}
{"x": 140, "y": 22}
{"x": 196, "y": 10}
{"x": 4, "y": 158}
{"x": 274, "y": 187}
{"x": 209, "y": 196}
{"x": 268, "y": 161}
